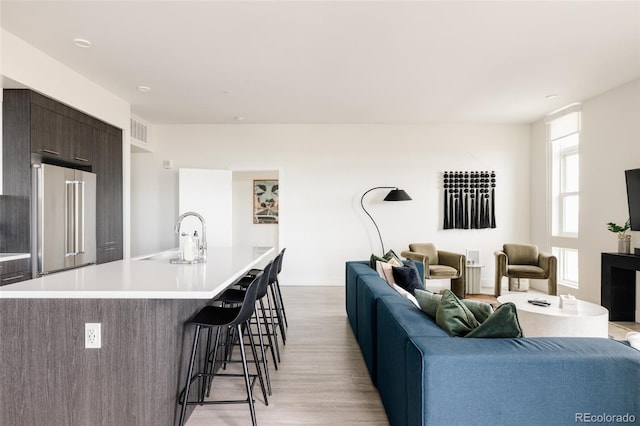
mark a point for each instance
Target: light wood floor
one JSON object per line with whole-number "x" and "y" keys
{"x": 322, "y": 379}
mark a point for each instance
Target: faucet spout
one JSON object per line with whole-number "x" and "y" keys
{"x": 202, "y": 250}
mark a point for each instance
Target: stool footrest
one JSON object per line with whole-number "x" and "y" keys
{"x": 231, "y": 401}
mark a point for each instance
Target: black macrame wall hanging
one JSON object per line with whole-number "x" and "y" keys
{"x": 469, "y": 200}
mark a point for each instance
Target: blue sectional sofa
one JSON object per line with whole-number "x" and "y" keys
{"x": 425, "y": 377}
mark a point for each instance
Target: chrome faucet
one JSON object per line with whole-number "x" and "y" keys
{"x": 202, "y": 250}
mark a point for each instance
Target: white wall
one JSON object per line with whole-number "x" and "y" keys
{"x": 609, "y": 144}
{"x": 32, "y": 68}
{"x": 154, "y": 204}
{"x": 323, "y": 171}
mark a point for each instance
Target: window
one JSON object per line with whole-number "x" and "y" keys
{"x": 567, "y": 266}
{"x": 565, "y": 183}
{"x": 564, "y": 141}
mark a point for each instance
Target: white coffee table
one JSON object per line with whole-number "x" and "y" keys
{"x": 590, "y": 320}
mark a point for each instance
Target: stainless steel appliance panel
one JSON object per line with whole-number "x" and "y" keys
{"x": 86, "y": 218}
{"x": 64, "y": 218}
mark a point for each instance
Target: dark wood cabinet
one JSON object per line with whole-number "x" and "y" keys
{"x": 50, "y": 133}
{"x": 61, "y": 138}
{"x": 108, "y": 168}
{"x": 40, "y": 129}
{"x": 82, "y": 144}
{"x": 14, "y": 271}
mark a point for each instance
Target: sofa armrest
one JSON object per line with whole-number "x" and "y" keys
{"x": 501, "y": 263}
{"x": 548, "y": 262}
{"x": 495, "y": 381}
{"x": 455, "y": 260}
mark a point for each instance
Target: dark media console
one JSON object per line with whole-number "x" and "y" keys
{"x": 618, "y": 285}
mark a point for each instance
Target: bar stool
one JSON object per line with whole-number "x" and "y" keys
{"x": 235, "y": 296}
{"x": 270, "y": 320}
{"x": 274, "y": 286}
{"x": 237, "y": 318}
{"x": 277, "y": 286}
{"x": 276, "y": 294}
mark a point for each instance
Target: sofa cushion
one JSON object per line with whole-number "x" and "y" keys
{"x": 442, "y": 271}
{"x": 525, "y": 271}
{"x": 454, "y": 317}
{"x": 370, "y": 289}
{"x": 500, "y": 324}
{"x": 407, "y": 277}
{"x": 354, "y": 270}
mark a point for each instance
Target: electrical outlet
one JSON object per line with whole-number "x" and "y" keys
{"x": 92, "y": 335}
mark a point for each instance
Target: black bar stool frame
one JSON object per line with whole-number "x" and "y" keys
{"x": 237, "y": 318}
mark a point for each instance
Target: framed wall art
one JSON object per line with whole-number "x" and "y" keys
{"x": 265, "y": 201}
{"x": 469, "y": 199}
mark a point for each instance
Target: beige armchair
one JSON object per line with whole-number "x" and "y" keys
{"x": 524, "y": 261}
{"x": 439, "y": 264}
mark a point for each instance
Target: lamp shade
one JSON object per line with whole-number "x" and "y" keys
{"x": 397, "y": 195}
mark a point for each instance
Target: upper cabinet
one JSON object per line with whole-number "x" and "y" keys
{"x": 50, "y": 133}
{"x": 61, "y": 133}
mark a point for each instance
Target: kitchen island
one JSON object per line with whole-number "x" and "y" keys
{"x": 47, "y": 377}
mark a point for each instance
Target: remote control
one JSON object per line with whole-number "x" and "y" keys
{"x": 539, "y": 303}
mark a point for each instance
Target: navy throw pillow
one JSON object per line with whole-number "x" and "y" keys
{"x": 407, "y": 277}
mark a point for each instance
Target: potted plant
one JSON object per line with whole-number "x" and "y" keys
{"x": 624, "y": 240}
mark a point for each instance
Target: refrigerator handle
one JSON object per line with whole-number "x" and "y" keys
{"x": 79, "y": 217}
{"x": 70, "y": 216}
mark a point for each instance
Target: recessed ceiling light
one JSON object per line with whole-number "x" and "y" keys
{"x": 144, "y": 89}
{"x": 551, "y": 97}
{"x": 81, "y": 42}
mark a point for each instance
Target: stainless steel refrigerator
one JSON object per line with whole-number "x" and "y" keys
{"x": 63, "y": 218}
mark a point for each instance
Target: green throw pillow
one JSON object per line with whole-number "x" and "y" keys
{"x": 428, "y": 301}
{"x": 480, "y": 310}
{"x": 387, "y": 257}
{"x": 453, "y": 316}
{"x": 502, "y": 323}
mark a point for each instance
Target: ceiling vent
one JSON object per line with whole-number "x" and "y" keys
{"x": 139, "y": 131}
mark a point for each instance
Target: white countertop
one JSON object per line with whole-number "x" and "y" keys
{"x": 5, "y": 257}
{"x": 144, "y": 279}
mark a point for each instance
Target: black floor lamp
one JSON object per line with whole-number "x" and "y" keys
{"x": 394, "y": 195}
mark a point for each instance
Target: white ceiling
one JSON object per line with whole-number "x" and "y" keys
{"x": 339, "y": 61}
